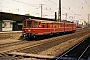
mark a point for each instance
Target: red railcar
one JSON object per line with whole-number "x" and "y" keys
{"x": 33, "y": 27}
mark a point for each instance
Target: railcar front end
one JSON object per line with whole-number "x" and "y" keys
{"x": 27, "y": 29}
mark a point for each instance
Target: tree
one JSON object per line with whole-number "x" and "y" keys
{"x": 27, "y": 14}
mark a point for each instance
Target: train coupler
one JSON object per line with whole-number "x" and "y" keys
{"x": 22, "y": 37}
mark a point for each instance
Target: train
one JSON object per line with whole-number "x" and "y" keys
{"x": 37, "y": 27}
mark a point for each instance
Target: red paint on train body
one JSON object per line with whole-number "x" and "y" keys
{"x": 34, "y": 27}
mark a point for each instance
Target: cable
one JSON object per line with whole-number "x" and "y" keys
{"x": 24, "y": 3}
{"x": 27, "y": 4}
{"x": 53, "y": 2}
{"x": 8, "y": 7}
{"x": 62, "y": 6}
{"x": 87, "y": 3}
{"x": 74, "y": 4}
{"x": 83, "y": 3}
{"x": 15, "y": 9}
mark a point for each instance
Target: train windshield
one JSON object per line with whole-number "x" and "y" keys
{"x": 24, "y": 24}
{"x": 29, "y": 24}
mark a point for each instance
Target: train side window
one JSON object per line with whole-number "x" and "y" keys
{"x": 69, "y": 25}
{"x": 65, "y": 25}
{"x": 57, "y": 26}
{"x": 60, "y": 25}
{"x": 54, "y": 25}
{"x": 50, "y": 25}
{"x": 47, "y": 25}
{"x": 43, "y": 25}
{"x": 35, "y": 24}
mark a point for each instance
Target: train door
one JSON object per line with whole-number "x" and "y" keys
{"x": 72, "y": 27}
{"x": 51, "y": 27}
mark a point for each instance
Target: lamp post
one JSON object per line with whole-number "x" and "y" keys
{"x": 41, "y": 9}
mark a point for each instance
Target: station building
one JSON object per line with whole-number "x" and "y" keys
{"x": 13, "y": 22}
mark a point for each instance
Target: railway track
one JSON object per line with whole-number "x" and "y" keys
{"x": 12, "y": 43}
{"x": 10, "y": 47}
{"x": 37, "y": 46}
{"x": 80, "y": 51}
{"x": 43, "y": 46}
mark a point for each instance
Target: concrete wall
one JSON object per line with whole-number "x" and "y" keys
{"x": 6, "y": 25}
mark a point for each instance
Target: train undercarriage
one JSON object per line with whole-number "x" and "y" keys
{"x": 30, "y": 36}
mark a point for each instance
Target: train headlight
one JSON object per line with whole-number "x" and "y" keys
{"x": 29, "y": 30}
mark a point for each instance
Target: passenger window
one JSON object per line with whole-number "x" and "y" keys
{"x": 47, "y": 25}
{"x": 35, "y": 24}
{"x": 50, "y": 25}
{"x": 54, "y": 25}
{"x": 67, "y": 25}
{"x": 43, "y": 25}
{"x": 59, "y": 25}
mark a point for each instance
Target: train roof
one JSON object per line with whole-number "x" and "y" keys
{"x": 47, "y": 21}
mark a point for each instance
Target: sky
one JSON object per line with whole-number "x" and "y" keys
{"x": 70, "y": 9}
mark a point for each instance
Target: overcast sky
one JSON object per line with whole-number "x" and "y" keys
{"x": 75, "y": 9}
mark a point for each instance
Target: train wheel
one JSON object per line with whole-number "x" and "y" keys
{"x": 36, "y": 38}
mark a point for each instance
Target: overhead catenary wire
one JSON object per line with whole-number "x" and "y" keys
{"x": 48, "y": 8}
{"x": 30, "y": 5}
{"x": 51, "y": 10}
{"x": 36, "y": 6}
{"x": 87, "y": 3}
{"x": 11, "y": 7}
{"x": 80, "y": 8}
{"x": 62, "y": 6}
{"x": 8, "y": 8}
{"x": 24, "y": 3}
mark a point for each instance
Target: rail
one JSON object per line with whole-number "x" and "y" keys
{"x": 77, "y": 52}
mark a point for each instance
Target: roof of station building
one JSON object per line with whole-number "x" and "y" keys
{"x": 18, "y": 17}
